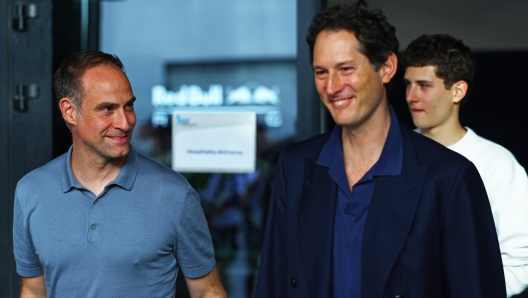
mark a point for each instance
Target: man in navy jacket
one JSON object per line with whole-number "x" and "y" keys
{"x": 373, "y": 209}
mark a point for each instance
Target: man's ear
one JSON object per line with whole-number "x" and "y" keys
{"x": 388, "y": 68}
{"x": 68, "y": 110}
{"x": 459, "y": 91}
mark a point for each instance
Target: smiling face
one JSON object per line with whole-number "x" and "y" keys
{"x": 103, "y": 128}
{"x": 431, "y": 104}
{"x": 349, "y": 87}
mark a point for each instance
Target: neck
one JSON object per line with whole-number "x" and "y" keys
{"x": 370, "y": 134}
{"x": 94, "y": 173}
{"x": 446, "y": 135}
{"x": 362, "y": 147}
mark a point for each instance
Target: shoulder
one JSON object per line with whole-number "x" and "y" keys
{"x": 293, "y": 159}
{"x": 158, "y": 173}
{"x": 487, "y": 154}
{"x": 430, "y": 151}
{"x": 42, "y": 182}
{"x": 309, "y": 148}
{"x": 49, "y": 172}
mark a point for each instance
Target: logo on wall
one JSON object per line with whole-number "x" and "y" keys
{"x": 253, "y": 93}
{"x": 250, "y": 93}
{"x": 188, "y": 95}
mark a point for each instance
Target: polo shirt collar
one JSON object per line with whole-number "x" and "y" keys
{"x": 125, "y": 179}
{"x": 68, "y": 179}
{"x": 128, "y": 173}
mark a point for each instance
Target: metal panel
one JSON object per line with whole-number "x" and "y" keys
{"x": 5, "y": 205}
{"x": 31, "y": 64}
{"x": 25, "y": 137}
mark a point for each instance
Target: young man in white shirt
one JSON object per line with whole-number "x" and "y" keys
{"x": 439, "y": 72}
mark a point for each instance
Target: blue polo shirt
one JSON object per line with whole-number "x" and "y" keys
{"x": 353, "y": 205}
{"x": 129, "y": 241}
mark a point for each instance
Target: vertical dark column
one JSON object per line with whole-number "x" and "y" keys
{"x": 311, "y": 116}
{"x": 25, "y": 112}
{"x": 75, "y": 29}
{"x": 6, "y": 264}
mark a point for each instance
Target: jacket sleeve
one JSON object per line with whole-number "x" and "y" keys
{"x": 271, "y": 279}
{"x": 472, "y": 258}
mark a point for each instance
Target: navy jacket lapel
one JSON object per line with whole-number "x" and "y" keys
{"x": 390, "y": 218}
{"x": 316, "y": 226}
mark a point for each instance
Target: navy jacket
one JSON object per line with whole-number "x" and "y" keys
{"x": 429, "y": 233}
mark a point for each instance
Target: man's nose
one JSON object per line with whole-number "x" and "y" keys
{"x": 124, "y": 119}
{"x": 334, "y": 84}
{"x": 410, "y": 93}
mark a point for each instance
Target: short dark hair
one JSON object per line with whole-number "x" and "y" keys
{"x": 376, "y": 36}
{"x": 67, "y": 80}
{"x": 453, "y": 61}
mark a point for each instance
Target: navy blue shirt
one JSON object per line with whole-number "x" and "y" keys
{"x": 353, "y": 205}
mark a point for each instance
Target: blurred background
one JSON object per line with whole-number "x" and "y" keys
{"x": 249, "y": 54}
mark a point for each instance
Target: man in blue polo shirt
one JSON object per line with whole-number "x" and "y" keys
{"x": 373, "y": 209}
{"x": 103, "y": 220}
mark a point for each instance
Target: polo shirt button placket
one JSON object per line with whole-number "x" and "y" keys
{"x": 93, "y": 227}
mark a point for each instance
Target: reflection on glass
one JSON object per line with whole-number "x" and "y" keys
{"x": 213, "y": 55}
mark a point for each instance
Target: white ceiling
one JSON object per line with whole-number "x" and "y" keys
{"x": 484, "y": 25}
